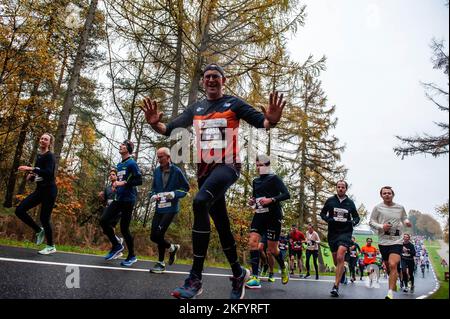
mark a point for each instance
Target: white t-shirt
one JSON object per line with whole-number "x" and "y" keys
{"x": 312, "y": 236}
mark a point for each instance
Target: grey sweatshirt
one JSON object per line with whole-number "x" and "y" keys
{"x": 383, "y": 214}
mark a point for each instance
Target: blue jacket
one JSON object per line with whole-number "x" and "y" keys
{"x": 128, "y": 171}
{"x": 177, "y": 183}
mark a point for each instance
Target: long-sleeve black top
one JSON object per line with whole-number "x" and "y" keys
{"x": 340, "y": 216}
{"x": 45, "y": 169}
{"x": 271, "y": 186}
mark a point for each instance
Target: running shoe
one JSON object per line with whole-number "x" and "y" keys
{"x": 192, "y": 287}
{"x": 40, "y": 236}
{"x": 307, "y": 276}
{"x": 173, "y": 254}
{"x": 285, "y": 274}
{"x": 335, "y": 291}
{"x": 271, "y": 278}
{"x": 115, "y": 252}
{"x": 47, "y": 250}
{"x": 129, "y": 261}
{"x": 158, "y": 268}
{"x": 389, "y": 295}
{"x": 238, "y": 284}
{"x": 253, "y": 283}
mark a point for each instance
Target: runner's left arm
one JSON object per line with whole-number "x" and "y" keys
{"x": 284, "y": 192}
{"x": 135, "y": 178}
{"x": 183, "y": 185}
{"x": 355, "y": 215}
{"x": 249, "y": 114}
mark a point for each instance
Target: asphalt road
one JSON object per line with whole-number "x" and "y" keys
{"x": 26, "y": 275}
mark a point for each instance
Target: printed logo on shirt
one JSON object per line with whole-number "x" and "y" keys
{"x": 226, "y": 105}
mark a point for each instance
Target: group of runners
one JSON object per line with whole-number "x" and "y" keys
{"x": 218, "y": 169}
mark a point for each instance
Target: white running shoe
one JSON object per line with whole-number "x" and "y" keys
{"x": 47, "y": 250}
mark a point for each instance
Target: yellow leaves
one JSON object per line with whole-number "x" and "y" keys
{"x": 67, "y": 203}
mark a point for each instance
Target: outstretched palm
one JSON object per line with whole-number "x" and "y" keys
{"x": 276, "y": 106}
{"x": 150, "y": 108}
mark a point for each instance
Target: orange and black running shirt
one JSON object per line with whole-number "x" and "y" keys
{"x": 216, "y": 124}
{"x": 370, "y": 254}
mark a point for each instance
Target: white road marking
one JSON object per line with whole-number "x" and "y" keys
{"x": 146, "y": 270}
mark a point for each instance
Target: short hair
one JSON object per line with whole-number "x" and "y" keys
{"x": 214, "y": 66}
{"x": 369, "y": 238}
{"x": 263, "y": 158}
{"x": 386, "y": 187}
{"x": 342, "y": 181}
{"x": 130, "y": 146}
{"x": 165, "y": 150}
{"x": 113, "y": 170}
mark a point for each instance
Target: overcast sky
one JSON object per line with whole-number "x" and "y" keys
{"x": 378, "y": 52}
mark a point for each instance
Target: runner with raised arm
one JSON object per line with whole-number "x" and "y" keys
{"x": 216, "y": 121}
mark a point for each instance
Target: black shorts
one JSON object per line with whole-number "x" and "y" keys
{"x": 267, "y": 224}
{"x": 340, "y": 240}
{"x": 297, "y": 253}
{"x": 391, "y": 249}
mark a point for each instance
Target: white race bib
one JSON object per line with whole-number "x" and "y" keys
{"x": 212, "y": 133}
{"x": 340, "y": 215}
{"x": 259, "y": 209}
{"x": 120, "y": 175}
{"x": 163, "y": 201}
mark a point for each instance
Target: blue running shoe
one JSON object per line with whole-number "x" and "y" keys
{"x": 129, "y": 261}
{"x": 192, "y": 287}
{"x": 238, "y": 284}
{"x": 115, "y": 252}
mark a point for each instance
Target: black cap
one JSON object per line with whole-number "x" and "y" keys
{"x": 130, "y": 146}
{"x": 216, "y": 67}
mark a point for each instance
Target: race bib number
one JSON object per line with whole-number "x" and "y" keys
{"x": 259, "y": 209}
{"x": 393, "y": 232}
{"x": 121, "y": 175}
{"x": 163, "y": 201}
{"x": 212, "y": 134}
{"x": 340, "y": 215}
{"x": 369, "y": 255}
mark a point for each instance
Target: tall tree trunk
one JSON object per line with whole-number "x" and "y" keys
{"x": 19, "y": 148}
{"x": 69, "y": 147}
{"x": 178, "y": 61}
{"x": 204, "y": 42}
{"x": 73, "y": 83}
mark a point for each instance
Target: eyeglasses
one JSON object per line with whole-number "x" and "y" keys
{"x": 212, "y": 76}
